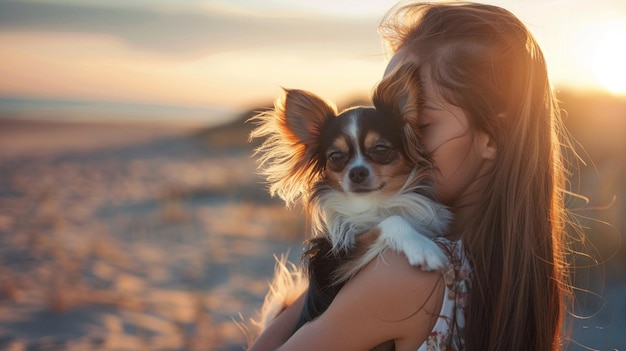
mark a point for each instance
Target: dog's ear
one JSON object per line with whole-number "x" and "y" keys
{"x": 288, "y": 156}
{"x": 398, "y": 97}
{"x": 304, "y": 115}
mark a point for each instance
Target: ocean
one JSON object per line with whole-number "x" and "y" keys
{"x": 71, "y": 110}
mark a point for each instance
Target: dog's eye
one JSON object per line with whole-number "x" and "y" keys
{"x": 382, "y": 153}
{"x": 336, "y": 159}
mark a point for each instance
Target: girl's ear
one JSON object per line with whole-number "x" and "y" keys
{"x": 304, "y": 114}
{"x": 486, "y": 146}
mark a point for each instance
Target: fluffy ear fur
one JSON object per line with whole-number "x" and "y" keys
{"x": 305, "y": 115}
{"x": 398, "y": 96}
{"x": 289, "y": 155}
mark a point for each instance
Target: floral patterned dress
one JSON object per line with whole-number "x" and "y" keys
{"x": 448, "y": 333}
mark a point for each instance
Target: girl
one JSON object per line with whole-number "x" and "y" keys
{"x": 491, "y": 124}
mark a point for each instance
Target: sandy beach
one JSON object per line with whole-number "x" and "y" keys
{"x": 131, "y": 237}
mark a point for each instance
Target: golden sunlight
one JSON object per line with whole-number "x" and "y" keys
{"x": 609, "y": 61}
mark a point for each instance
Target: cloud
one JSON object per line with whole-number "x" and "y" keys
{"x": 185, "y": 33}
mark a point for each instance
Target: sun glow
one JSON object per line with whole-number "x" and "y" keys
{"x": 609, "y": 60}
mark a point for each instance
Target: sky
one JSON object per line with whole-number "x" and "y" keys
{"x": 236, "y": 54}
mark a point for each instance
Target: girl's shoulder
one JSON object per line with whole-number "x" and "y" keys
{"x": 392, "y": 268}
{"x": 404, "y": 298}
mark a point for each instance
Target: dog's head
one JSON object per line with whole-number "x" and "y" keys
{"x": 362, "y": 150}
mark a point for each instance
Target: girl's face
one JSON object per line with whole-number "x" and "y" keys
{"x": 453, "y": 146}
{"x": 461, "y": 155}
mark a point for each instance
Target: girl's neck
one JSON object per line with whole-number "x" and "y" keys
{"x": 465, "y": 207}
{"x": 463, "y": 214}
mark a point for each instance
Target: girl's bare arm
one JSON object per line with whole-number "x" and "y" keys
{"x": 281, "y": 328}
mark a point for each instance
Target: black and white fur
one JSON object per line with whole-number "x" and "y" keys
{"x": 363, "y": 178}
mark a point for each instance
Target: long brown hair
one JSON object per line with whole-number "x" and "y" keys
{"x": 483, "y": 59}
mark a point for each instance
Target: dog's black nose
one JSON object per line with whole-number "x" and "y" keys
{"x": 358, "y": 174}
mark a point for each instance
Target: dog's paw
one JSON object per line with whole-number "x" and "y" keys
{"x": 425, "y": 254}
{"x": 420, "y": 250}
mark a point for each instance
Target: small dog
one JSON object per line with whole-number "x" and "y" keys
{"x": 363, "y": 177}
